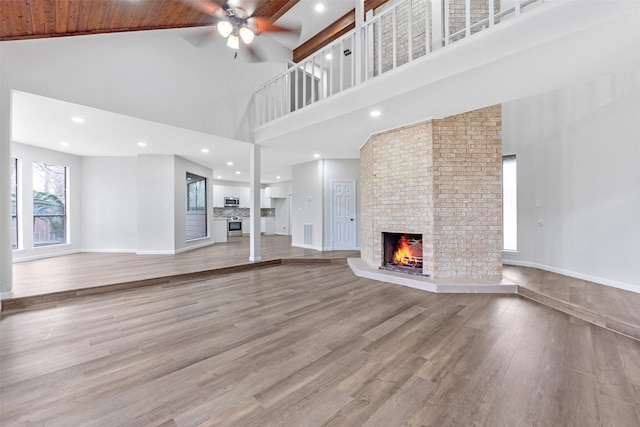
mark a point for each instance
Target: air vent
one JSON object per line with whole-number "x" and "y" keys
{"x": 308, "y": 234}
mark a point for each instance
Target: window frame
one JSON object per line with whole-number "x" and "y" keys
{"x": 39, "y": 217}
{"x": 15, "y": 204}
{"x": 510, "y": 210}
{"x": 200, "y": 206}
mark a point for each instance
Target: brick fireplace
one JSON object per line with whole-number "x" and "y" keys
{"x": 440, "y": 179}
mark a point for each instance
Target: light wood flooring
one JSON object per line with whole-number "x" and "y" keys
{"x": 85, "y": 270}
{"x": 291, "y": 345}
{"x": 90, "y": 273}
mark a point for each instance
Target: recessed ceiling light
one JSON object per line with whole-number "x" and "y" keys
{"x": 278, "y": 177}
{"x": 229, "y": 163}
{"x": 77, "y": 119}
{"x": 64, "y": 144}
{"x": 142, "y": 144}
{"x": 328, "y": 57}
{"x": 319, "y": 7}
{"x": 219, "y": 177}
{"x": 205, "y": 150}
{"x": 316, "y": 155}
{"x": 237, "y": 172}
{"x": 375, "y": 113}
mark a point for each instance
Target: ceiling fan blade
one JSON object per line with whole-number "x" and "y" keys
{"x": 253, "y": 54}
{"x": 202, "y": 37}
{"x": 206, "y": 6}
{"x": 264, "y": 25}
{"x": 247, "y": 6}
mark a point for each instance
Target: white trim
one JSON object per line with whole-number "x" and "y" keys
{"x": 5, "y": 295}
{"x": 167, "y": 252}
{"x": 302, "y": 245}
{"x": 600, "y": 280}
{"x": 188, "y": 248}
{"x": 355, "y": 214}
{"x": 450, "y": 286}
{"x": 46, "y": 255}
{"x": 109, "y": 251}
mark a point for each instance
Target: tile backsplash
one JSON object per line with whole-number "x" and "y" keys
{"x": 230, "y": 212}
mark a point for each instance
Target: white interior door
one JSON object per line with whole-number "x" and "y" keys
{"x": 344, "y": 215}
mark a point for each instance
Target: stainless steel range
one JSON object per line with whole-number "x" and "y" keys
{"x": 234, "y": 226}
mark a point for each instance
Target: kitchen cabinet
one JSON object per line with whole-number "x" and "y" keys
{"x": 267, "y": 225}
{"x": 222, "y": 191}
{"x": 219, "y": 230}
{"x": 218, "y": 196}
{"x": 246, "y": 230}
{"x": 265, "y": 198}
{"x": 244, "y": 195}
{"x": 277, "y": 192}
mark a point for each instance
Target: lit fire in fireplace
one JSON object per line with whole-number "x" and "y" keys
{"x": 408, "y": 252}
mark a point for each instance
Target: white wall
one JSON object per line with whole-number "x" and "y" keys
{"x": 26, "y": 155}
{"x": 282, "y": 206}
{"x": 155, "y": 75}
{"x": 182, "y": 166}
{"x": 307, "y": 203}
{"x": 339, "y": 170}
{"x": 312, "y": 202}
{"x": 578, "y": 152}
{"x": 156, "y": 204}
{"x": 109, "y": 212}
{"x": 6, "y": 252}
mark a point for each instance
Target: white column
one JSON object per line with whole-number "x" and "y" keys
{"x": 359, "y": 44}
{"x": 6, "y": 253}
{"x": 254, "y": 195}
{"x": 436, "y": 24}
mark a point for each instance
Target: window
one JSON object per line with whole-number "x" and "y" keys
{"x": 196, "y": 206}
{"x": 14, "y": 203}
{"x": 49, "y": 204}
{"x": 509, "y": 203}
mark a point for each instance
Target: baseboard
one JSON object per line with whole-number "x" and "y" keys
{"x": 303, "y": 246}
{"x": 575, "y": 275}
{"x": 167, "y": 252}
{"x": 109, "y": 251}
{"x": 198, "y": 246}
{"x": 46, "y": 255}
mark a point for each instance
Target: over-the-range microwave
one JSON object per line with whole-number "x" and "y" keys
{"x": 231, "y": 201}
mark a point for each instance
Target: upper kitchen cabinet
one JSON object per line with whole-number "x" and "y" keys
{"x": 222, "y": 191}
{"x": 218, "y": 196}
{"x": 244, "y": 195}
{"x": 265, "y": 200}
{"x": 277, "y": 192}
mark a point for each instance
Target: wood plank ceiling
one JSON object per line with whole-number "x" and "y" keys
{"x": 29, "y": 19}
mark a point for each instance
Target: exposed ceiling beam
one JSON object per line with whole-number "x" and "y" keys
{"x": 335, "y": 30}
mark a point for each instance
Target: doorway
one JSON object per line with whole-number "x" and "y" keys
{"x": 344, "y": 219}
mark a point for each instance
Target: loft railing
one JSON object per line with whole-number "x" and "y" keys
{"x": 396, "y": 34}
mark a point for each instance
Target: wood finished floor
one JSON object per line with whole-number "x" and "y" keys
{"x": 298, "y": 346}
{"x": 603, "y": 305}
{"x": 84, "y": 270}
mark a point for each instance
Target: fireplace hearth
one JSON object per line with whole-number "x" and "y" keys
{"x": 402, "y": 252}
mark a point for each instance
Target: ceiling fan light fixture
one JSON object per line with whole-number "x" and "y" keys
{"x": 246, "y": 34}
{"x": 233, "y": 42}
{"x": 225, "y": 28}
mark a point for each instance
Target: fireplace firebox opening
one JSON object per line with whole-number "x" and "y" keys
{"x": 402, "y": 252}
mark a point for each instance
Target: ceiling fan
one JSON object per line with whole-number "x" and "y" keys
{"x": 233, "y": 22}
